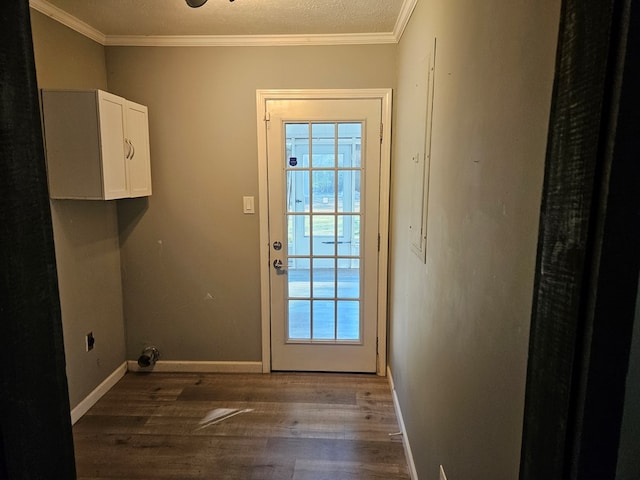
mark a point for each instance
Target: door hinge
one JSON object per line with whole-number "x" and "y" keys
{"x": 381, "y": 131}
{"x": 377, "y": 345}
{"x": 267, "y": 116}
{"x": 378, "y": 242}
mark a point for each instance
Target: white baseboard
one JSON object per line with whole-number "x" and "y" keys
{"x": 91, "y": 399}
{"x": 405, "y": 438}
{"x": 197, "y": 367}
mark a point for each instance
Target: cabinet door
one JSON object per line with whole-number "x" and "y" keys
{"x": 113, "y": 147}
{"x": 139, "y": 160}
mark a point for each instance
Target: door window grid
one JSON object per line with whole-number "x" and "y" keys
{"x": 323, "y": 221}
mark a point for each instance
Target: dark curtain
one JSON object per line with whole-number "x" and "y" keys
{"x": 35, "y": 425}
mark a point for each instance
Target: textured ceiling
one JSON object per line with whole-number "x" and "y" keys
{"x": 241, "y": 17}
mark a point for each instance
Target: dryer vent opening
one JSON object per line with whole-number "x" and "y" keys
{"x": 148, "y": 357}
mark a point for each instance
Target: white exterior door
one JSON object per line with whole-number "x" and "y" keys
{"x": 324, "y": 159}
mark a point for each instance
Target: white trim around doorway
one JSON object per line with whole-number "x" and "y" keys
{"x": 385, "y": 95}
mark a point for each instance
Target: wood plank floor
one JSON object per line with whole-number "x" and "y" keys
{"x": 299, "y": 427}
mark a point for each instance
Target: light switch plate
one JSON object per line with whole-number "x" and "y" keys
{"x": 248, "y": 205}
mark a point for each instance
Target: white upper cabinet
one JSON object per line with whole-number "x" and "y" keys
{"x": 97, "y": 145}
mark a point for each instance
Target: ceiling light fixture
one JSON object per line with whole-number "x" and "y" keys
{"x": 197, "y": 3}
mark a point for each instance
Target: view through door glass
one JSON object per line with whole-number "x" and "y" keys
{"x": 323, "y": 219}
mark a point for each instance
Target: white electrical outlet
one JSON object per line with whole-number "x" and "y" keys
{"x": 442, "y": 475}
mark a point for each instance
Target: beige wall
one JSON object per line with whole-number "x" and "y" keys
{"x": 85, "y": 232}
{"x": 190, "y": 257}
{"x": 460, "y": 322}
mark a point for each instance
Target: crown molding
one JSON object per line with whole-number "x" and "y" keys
{"x": 83, "y": 28}
{"x": 403, "y": 18}
{"x": 68, "y": 20}
{"x": 247, "y": 40}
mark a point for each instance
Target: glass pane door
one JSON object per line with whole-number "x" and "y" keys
{"x": 323, "y": 188}
{"x": 323, "y": 218}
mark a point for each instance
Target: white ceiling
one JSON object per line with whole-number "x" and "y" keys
{"x": 221, "y": 22}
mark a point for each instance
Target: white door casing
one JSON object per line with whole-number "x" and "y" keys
{"x": 274, "y": 109}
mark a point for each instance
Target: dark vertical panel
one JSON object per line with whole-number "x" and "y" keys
{"x": 3, "y": 464}
{"x": 628, "y": 459}
{"x": 612, "y": 307}
{"x": 35, "y": 426}
{"x": 587, "y": 270}
{"x": 574, "y": 130}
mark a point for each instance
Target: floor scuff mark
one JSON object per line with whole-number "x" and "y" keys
{"x": 219, "y": 415}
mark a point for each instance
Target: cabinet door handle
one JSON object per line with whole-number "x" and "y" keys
{"x": 133, "y": 150}
{"x": 128, "y": 144}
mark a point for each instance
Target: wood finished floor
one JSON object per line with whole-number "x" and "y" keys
{"x": 301, "y": 427}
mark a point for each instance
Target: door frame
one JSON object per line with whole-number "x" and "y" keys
{"x": 385, "y": 96}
